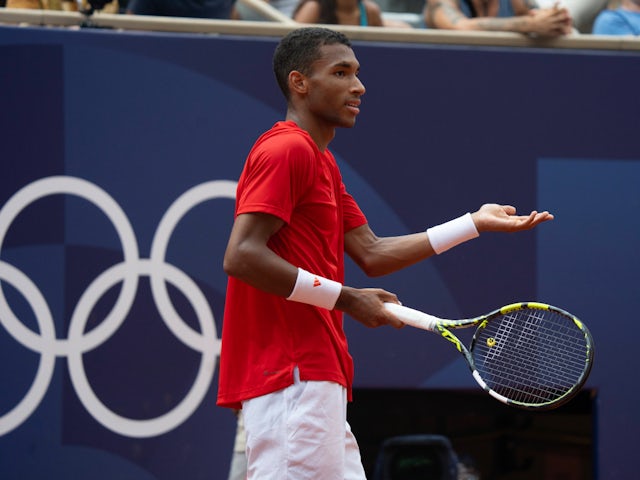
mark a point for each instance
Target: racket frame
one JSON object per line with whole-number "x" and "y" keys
{"x": 444, "y": 328}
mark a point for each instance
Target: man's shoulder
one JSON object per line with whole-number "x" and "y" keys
{"x": 284, "y": 136}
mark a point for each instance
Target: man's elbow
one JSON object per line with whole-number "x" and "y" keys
{"x": 232, "y": 263}
{"x": 228, "y": 266}
{"x": 370, "y": 267}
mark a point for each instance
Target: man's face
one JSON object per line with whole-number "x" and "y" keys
{"x": 334, "y": 87}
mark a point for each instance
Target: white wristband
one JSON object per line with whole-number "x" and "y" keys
{"x": 315, "y": 290}
{"x": 452, "y": 233}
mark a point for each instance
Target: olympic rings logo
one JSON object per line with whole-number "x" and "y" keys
{"x": 127, "y": 272}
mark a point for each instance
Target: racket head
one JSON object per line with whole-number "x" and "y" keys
{"x": 532, "y": 355}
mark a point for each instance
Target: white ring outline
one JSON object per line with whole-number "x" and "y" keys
{"x": 23, "y": 410}
{"x": 168, "y": 421}
{"x": 97, "y": 196}
{"x": 132, "y": 267}
{"x": 166, "y": 226}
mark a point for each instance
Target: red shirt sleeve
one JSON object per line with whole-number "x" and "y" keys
{"x": 352, "y": 214}
{"x": 277, "y": 173}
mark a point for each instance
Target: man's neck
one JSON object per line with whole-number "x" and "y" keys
{"x": 321, "y": 135}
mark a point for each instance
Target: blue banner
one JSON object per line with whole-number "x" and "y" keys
{"x": 120, "y": 153}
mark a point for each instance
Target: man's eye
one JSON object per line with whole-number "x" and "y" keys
{"x": 340, "y": 73}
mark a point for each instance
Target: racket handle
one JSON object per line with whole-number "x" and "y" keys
{"x": 412, "y": 317}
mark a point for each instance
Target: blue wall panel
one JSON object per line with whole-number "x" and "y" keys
{"x": 119, "y": 152}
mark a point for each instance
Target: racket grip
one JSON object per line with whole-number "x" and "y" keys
{"x": 412, "y": 317}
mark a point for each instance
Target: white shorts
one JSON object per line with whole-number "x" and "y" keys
{"x": 301, "y": 432}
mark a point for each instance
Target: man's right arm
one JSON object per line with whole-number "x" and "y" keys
{"x": 249, "y": 259}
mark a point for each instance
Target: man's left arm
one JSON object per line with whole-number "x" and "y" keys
{"x": 378, "y": 256}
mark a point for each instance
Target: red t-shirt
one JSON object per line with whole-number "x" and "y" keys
{"x": 265, "y": 336}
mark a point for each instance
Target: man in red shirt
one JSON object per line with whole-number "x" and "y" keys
{"x": 284, "y": 357}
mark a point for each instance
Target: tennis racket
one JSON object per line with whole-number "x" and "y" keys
{"x": 528, "y": 355}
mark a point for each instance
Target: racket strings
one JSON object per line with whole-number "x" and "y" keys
{"x": 531, "y": 356}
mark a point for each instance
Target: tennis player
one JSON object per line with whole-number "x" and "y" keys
{"x": 284, "y": 357}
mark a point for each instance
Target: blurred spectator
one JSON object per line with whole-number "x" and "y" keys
{"x": 102, "y": 5}
{"x": 246, "y": 10}
{"x": 498, "y": 15}
{"x": 37, "y": 4}
{"x": 285, "y": 6}
{"x": 623, "y": 20}
{"x": 66, "y": 5}
{"x": 221, "y": 9}
{"x": 583, "y": 12}
{"x": 364, "y": 13}
{"x": 34, "y": 4}
{"x": 339, "y": 12}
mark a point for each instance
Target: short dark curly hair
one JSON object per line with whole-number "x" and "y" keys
{"x": 299, "y": 49}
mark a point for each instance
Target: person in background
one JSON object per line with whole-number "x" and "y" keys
{"x": 623, "y": 20}
{"x": 65, "y": 5}
{"x": 339, "y": 12}
{"x": 521, "y": 16}
{"x": 219, "y": 9}
{"x": 363, "y": 13}
{"x": 28, "y": 4}
{"x": 284, "y": 358}
{"x": 246, "y": 12}
{"x": 583, "y": 12}
{"x": 286, "y": 7}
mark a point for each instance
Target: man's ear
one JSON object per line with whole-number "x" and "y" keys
{"x": 297, "y": 82}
